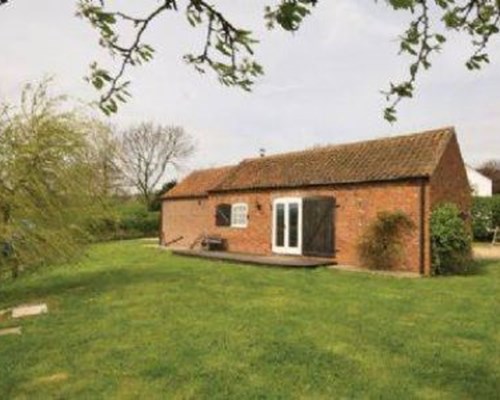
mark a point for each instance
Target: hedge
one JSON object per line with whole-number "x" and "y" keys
{"x": 128, "y": 219}
{"x": 485, "y": 216}
{"x": 451, "y": 241}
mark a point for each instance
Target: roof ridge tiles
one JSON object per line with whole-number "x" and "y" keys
{"x": 445, "y": 130}
{"x": 381, "y": 159}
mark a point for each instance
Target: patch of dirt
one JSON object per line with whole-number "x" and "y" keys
{"x": 489, "y": 252}
{"x": 150, "y": 239}
{"x": 28, "y": 310}
{"x": 16, "y": 330}
{"x": 396, "y": 274}
{"x": 156, "y": 246}
{"x": 5, "y": 314}
{"x": 59, "y": 377}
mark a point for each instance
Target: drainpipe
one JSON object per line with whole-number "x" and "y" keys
{"x": 161, "y": 239}
{"x": 422, "y": 225}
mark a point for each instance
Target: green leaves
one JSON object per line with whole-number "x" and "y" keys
{"x": 440, "y": 38}
{"x": 101, "y": 79}
{"x": 403, "y": 4}
{"x": 99, "y": 76}
{"x": 485, "y": 216}
{"x": 113, "y": 86}
{"x": 390, "y": 114}
{"x": 100, "y": 20}
{"x": 47, "y": 189}
{"x": 289, "y": 14}
{"x": 477, "y": 61}
{"x": 451, "y": 240}
{"x": 381, "y": 245}
{"x": 479, "y": 19}
{"x": 227, "y": 50}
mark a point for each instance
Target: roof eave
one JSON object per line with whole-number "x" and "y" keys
{"x": 185, "y": 197}
{"x": 311, "y": 185}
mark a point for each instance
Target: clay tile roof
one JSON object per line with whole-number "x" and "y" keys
{"x": 198, "y": 183}
{"x": 392, "y": 158}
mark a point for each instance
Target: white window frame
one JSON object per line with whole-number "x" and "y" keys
{"x": 239, "y": 224}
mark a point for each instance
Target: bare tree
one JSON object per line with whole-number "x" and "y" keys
{"x": 147, "y": 150}
{"x": 104, "y": 156}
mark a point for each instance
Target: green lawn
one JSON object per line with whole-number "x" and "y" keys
{"x": 134, "y": 322}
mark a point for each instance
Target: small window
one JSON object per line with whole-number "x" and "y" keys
{"x": 239, "y": 215}
{"x": 223, "y": 215}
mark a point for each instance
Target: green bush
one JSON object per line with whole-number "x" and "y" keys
{"x": 141, "y": 224}
{"x": 156, "y": 202}
{"x": 495, "y": 210}
{"x": 382, "y": 244}
{"x": 485, "y": 216}
{"x": 129, "y": 219}
{"x": 451, "y": 241}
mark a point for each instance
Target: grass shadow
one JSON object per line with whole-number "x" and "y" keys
{"x": 478, "y": 267}
{"x": 83, "y": 283}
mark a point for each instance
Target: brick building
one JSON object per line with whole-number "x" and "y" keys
{"x": 318, "y": 202}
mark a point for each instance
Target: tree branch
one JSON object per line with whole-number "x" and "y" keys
{"x": 480, "y": 19}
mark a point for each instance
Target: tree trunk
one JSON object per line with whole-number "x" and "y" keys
{"x": 15, "y": 269}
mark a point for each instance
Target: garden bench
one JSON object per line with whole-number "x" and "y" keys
{"x": 213, "y": 242}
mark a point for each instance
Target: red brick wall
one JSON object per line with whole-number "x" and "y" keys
{"x": 184, "y": 217}
{"x": 449, "y": 182}
{"x": 357, "y": 205}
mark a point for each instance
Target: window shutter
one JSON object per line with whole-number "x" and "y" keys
{"x": 223, "y": 215}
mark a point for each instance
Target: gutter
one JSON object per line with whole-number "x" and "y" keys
{"x": 185, "y": 197}
{"x": 160, "y": 228}
{"x": 314, "y": 185}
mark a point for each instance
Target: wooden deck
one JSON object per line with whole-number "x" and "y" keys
{"x": 252, "y": 259}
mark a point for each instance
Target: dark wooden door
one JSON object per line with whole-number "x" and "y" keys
{"x": 318, "y": 230}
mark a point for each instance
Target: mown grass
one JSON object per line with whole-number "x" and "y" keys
{"x": 134, "y": 322}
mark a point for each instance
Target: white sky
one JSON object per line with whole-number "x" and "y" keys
{"x": 322, "y": 84}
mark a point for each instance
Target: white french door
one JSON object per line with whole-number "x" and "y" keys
{"x": 287, "y": 225}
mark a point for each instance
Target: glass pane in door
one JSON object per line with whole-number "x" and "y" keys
{"x": 293, "y": 225}
{"x": 280, "y": 224}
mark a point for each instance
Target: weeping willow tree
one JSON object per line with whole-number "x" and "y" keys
{"x": 49, "y": 188}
